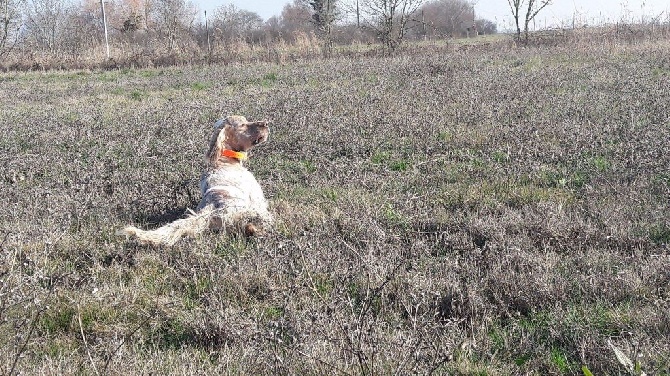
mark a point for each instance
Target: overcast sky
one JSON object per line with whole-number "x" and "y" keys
{"x": 561, "y": 11}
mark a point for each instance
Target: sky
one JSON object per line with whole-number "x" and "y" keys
{"x": 560, "y": 12}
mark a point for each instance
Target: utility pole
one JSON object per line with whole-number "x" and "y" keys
{"x": 358, "y": 16}
{"x": 104, "y": 24}
{"x": 423, "y": 24}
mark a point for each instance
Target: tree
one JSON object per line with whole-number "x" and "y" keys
{"x": 44, "y": 19}
{"x": 10, "y": 23}
{"x": 132, "y": 15}
{"x": 447, "y": 17}
{"x": 84, "y": 27}
{"x": 231, "y": 23}
{"x": 272, "y": 28}
{"x": 530, "y": 8}
{"x": 295, "y": 18}
{"x": 173, "y": 20}
{"x": 485, "y": 26}
{"x": 49, "y": 23}
{"x": 389, "y": 19}
{"x": 324, "y": 16}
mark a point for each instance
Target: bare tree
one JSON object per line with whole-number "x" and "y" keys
{"x": 10, "y": 24}
{"x": 46, "y": 22}
{"x": 485, "y": 26}
{"x": 447, "y": 17}
{"x": 272, "y": 28}
{"x": 173, "y": 20}
{"x": 132, "y": 15}
{"x": 84, "y": 28}
{"x": 389, "y": 19}
{"x": 295, "y": 18}
{"x": 530, "y": 8}
{"x": 231, "y": 23}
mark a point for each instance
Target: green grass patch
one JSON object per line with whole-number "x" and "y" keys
{"x": 659, "y": 72}
{"x": 560, "y": 361}
{"x": 268, "y": 80}
{"x": 272, "y": 313}
{"x": 522, "y": 360}
{"x": 513, "y": 194}
{"x": 198, "y": 86}
{"x": 563, "y": 178}
{"x": 195, "y": 290}
{"x": 231, "y": 248}
{"x": 138, "y": 95}
{"x": 172, "y": 333}
{"x": 330, "y": 194}
{"x": 150, "y": 73}
{"x": 393, "y": 216}
{"x": 323, "y": 284}
{"x": 500, "y": 156}
{"x": 660, "y": 233}
{"x": 58, "y": 319}
{"x": 386, "y": 158}
{"x": 399, "y": 165}
{"x": 380, "y": 157}
{"x": 446, "y": 136}
{"x": 601, "y": 163}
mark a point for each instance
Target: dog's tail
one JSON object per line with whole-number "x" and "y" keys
{"x": 169, "y": 234}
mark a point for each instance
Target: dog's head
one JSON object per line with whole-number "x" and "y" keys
{"x": 237, "y": 135}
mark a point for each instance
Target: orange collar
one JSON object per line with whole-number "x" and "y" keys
{"x": 239, "y": 155}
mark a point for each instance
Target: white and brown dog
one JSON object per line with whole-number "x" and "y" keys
{"x": 232, "y": 199}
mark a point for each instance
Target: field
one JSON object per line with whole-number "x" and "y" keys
{"x": 478, "y": 211}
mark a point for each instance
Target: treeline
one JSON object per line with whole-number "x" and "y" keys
{"x": 43, "y": 34}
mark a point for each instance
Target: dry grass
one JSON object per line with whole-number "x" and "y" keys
{"x": 481, "y": 212}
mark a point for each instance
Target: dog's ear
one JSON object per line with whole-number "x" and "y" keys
{"x": 216, "y": 142}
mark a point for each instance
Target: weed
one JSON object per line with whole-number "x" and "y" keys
{"x": 171, "y": 334}
{"x": 309, "y": 167}
{"x": 523, "y": 359}
{"x": 150, "y": 73}
{"x": 659, "y": 72}
{"x": 232, "y": 248}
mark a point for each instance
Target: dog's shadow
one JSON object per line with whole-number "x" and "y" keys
{"x": 160, "y": 218}
{"x": 158, "y": 212}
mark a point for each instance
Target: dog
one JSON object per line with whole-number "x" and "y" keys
{"x": 232, "y": 200}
